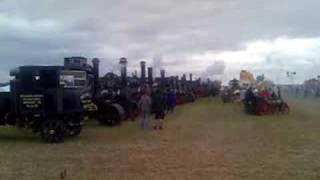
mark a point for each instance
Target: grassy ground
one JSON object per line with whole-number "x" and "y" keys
{"x": 204, "y": 140}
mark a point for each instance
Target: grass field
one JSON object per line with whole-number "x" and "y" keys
{"x": 204, "y": 140}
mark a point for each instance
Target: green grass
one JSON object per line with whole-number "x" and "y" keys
{"x": 204, "y": 140}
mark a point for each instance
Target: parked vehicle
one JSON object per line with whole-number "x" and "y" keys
{"x": 45, "y": 99}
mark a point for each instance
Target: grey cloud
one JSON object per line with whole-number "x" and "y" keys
{"x": 46, "y": 31}
{"x": 217, "y": 68}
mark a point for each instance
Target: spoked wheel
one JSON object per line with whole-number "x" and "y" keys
{"x": 53, "y": 131}
{"x": 111, "y": 115}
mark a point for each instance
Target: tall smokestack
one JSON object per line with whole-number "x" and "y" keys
{"x": 143, "y": 71}
{"x": 184, "y": 77}
{"x": 123, "y": 69}
{"x": 163, "y": 78}
{"x": 96, "y": 84}
{"x": 176, "y": 79}
{"x": 172, "y": 82}
{"x": 183, "y": 82}
{"x": 150, "y": 76}
{"x": 163, "y": 74}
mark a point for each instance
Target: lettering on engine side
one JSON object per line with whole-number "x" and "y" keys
{"x": 31, "y": 101}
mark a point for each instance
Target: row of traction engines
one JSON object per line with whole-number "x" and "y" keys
{"x": 115, "y": 98}
{"x": 54, "y": 100}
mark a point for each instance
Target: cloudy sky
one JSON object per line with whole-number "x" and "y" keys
{"x": 215, "y": 38}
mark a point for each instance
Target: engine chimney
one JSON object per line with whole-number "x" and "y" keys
{"x": 123, "y": 69}
{"x": 184, "y": 77}
{"x": 163, "y": 74}
{"x": 183, "y": 82}
{"x": 150, "y": 76}
{"x": 143, "y": 72}
{"x": 176, "y": 82}
{"x": 172, "y": 82}
{"x": 163, "y": 78}
{"x": 96, "y": 84}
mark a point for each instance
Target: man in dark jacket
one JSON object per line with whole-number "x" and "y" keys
{"x": 171, "y": 100}
{"x": 250, "y": 101}
{"x": 159, "y": 105}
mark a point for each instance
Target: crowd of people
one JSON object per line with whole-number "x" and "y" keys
{"x": 158, "y": 103}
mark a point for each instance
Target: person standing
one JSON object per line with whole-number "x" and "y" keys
{"x": 171, "y": 100}
{"x": 243, "y": 95}
{"x": 250, "y": 101}
{"x": 159, "y": 105}
{"x": 145, "y": 108}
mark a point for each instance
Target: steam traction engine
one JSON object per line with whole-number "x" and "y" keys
{"x": 45, "y": 99}
{"x": 110, "y": 95}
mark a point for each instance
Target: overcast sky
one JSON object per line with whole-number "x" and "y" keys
{"x": 216, "y": 38}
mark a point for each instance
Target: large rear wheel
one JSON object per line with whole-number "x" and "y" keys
{"x": 53, "y": 131}
{"x": 111, "y": 114}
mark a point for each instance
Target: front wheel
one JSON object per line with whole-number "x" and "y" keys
{"x": 53, "y": 131}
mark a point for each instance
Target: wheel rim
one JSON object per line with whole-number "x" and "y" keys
{"x": 52, "y": 131}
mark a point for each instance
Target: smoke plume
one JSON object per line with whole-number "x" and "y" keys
{"x": 157, "y": 63}
{"x": 217, "y": 68}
